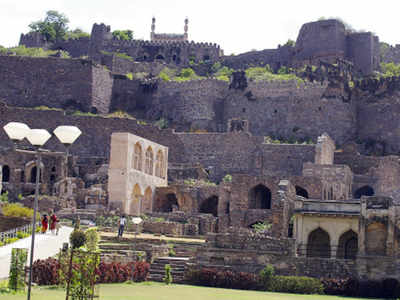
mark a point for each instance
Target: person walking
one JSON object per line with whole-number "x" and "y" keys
{"x": 45, "y": 223}
{"x": 122, "y": 222}
{"x": 53, "y": 222}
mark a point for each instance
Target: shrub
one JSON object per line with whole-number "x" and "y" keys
{"x": 92, "y": 239}
{"x": 114, "y": 272}
{"x": 17, "y": 210}
{"x": 227, "y": 178}
{"x": 334, "y": 286}
{"x": 223, "y": 278}
{"x": 21, "y": 234}
{"x": 297, "y": 285}
{"x": 266, "y": 275}
{"x": 77, "y": 238}
{"x": 261, "y": 227}
{"x": 4, "y": 197}
{"x": 46, "y": 271}
{"x": 141, "y": 271}
{"x": 168, "y": 275}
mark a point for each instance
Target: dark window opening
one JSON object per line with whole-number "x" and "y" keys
{"x": 6, "y": 174}
{"x": 260, "y": 197}
{"x": 170, "y": 204}
{"x": 301, "y": 192}
{"x": 210, "y": 206}
{"x": 174, "y": 57}
{"x": 290, "y": 230}
{"x": 22, "y": 177}
{"x": 33, "y": 175}
{"x": 159, "y": 56}
{"x": 364, "y": 191}
{"x": 348, "y": 245}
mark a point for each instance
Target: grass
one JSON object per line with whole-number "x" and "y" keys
{"x": 160, "y": 291}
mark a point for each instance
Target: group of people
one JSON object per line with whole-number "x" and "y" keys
{"x": 54, "y": 223}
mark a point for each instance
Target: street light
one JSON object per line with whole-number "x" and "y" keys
{"x": 136, "y": 221}
{"x": 17, "y": 131}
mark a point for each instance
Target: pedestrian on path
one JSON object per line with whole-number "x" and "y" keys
{"x": 122, "y": 222}
{"x": 45, "y": 223}
{"x": 53, "y": 222}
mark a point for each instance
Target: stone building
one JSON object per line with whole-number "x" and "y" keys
{"x": 137, "y": 167}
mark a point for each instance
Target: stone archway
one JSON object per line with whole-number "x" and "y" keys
{"x": 134, "y": 207}
{"x": 348, "y": 245}
{"x": 364, "y": 191}
{"x": 260, "y": 197}
{"x": 170, "y": 203}
{"x": 210, "y": 206}
{"x": 318, "y": 244}
{"x": 147, "y": 201}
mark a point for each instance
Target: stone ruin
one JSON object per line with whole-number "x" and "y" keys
{"x": 317, "y": 161}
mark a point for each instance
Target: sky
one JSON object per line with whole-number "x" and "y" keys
{"x": 237, "y": 26}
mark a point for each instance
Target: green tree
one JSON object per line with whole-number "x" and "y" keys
{"x": 53, "y": 27}
{"x": 123, "y": 35}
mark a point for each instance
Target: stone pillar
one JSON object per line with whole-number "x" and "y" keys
{"x": 1, "y": 178}
{"x": 390, "y": 251}
{"x": 361, "y": 229}
{"x": 324, "y": 150}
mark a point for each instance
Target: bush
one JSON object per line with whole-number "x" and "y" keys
{"x": 17, "y": 210}
{"x": 297, "y": 285}
{"x": 21, "y": 234}
{"x": 46, "y": 271}
{"x": 141, "y": 271}
{"x": 114, "y": 272}
{"x": 334, "y": 286}
{"x": 92, "y": 239}
{"x": 266, "y": 275}
{"x": 227, "y": 178}
{"x": 77, "y": 238}
{"x": 168, "y": 275}
{"x": 223, "y": 279}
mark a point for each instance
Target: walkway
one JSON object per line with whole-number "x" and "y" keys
{"x": 45, "y": 245}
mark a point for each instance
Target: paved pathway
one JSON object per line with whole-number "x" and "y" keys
{"x": 45, "y": 245}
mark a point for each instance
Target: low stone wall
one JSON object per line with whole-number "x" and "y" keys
{"x": 251, "y": 253}
{"x": 171, "y": 228}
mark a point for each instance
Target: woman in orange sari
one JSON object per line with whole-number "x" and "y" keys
{"x": 45, "y": 223}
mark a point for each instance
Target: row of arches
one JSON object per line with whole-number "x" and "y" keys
{"x": 260, "y": 196}
{"x": 141, "y": 202}
{"x": 31, "y": 174}
{"x": 319, "y": 244}
{"x": 160, "y": 163}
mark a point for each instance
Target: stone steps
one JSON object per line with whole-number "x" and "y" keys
{"x": 178, "y": 265}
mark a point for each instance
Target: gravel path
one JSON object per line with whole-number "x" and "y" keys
{"x": 45, "y": 245}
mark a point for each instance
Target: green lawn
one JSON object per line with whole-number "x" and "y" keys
{"x": 159, "y": 291}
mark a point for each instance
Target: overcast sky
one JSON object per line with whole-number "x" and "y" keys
{"x": 238, "y": 26}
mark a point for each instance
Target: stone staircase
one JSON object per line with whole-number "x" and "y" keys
{"x": 178, "y": 264}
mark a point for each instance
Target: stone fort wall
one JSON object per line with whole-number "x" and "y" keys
{"x": 54, "y": 82}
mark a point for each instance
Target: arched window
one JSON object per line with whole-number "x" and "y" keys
{"x": 137, "y": 157}
{"x": 210, "y": 206}
{"x": 6, "y": 174}
{"x": 348, "y": 245}
{"x": 149, "y": 161}
{"x": 260, "y": 197}
{"x": 318, "y": 244}
{"x": 159, "y": 56}
{"x": 364, "y": 191}
{"x": 301, "y": 192}
{"x": 160, "y": 164}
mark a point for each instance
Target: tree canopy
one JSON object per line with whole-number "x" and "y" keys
{"x": 123, "y": 35}
{"x": 54, "y": 26}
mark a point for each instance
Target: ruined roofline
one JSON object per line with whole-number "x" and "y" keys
{"x": 166, "y": 43}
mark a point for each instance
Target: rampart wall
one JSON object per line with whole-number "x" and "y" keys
{"x": 96, "y": 131}
{"x": 53, "y": 82}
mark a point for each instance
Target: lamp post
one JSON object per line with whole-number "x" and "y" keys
{"x": 136, "y": 221}
{"x": 17, "y": 131}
